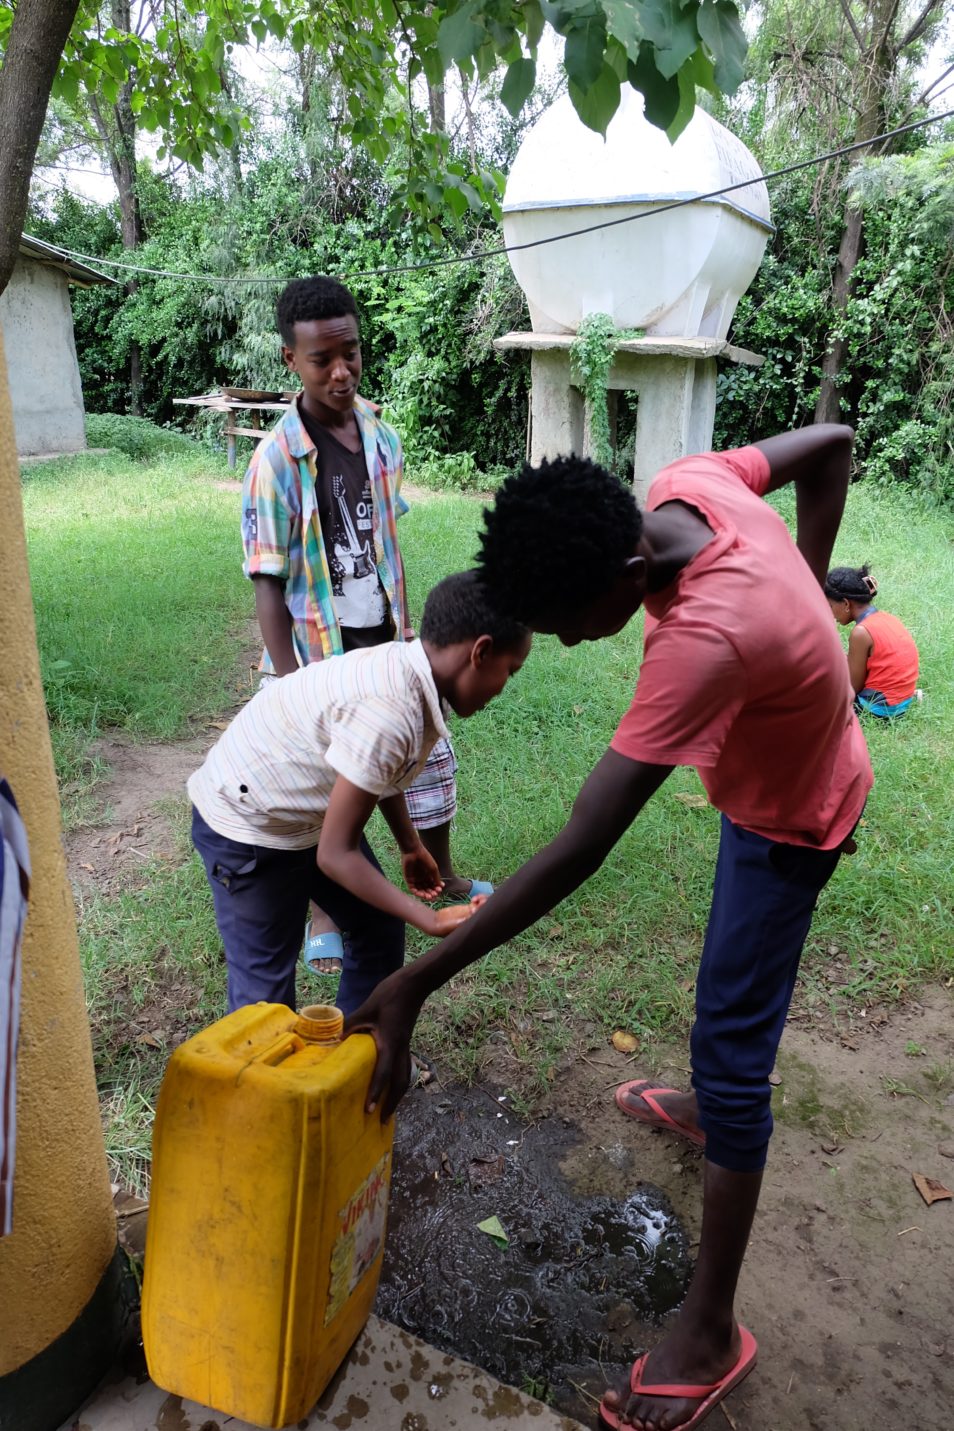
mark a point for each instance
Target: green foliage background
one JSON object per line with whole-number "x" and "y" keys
{"x": 304, "y": 202}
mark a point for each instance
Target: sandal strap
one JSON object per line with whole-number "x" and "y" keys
{"x": 675, "y": 1388}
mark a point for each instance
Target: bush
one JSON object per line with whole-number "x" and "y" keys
{"x": 135, "y": 436}
{"x": 454, "y": 472}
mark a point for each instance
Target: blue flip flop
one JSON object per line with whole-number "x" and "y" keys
{"x": 477, "y": 886}
{"x": 322, "y": 946}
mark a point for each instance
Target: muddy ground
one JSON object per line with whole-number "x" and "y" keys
{"x": 848, "y": 1283}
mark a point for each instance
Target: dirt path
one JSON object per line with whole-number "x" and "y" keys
{"x": 848, "y": 1284}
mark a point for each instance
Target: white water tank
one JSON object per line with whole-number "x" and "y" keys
{"x": 679, "y": 273}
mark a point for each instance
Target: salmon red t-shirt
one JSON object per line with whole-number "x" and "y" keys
{"x": 743, "y": 674}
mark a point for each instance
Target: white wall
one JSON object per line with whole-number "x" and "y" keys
{"x": 45, "y": 386}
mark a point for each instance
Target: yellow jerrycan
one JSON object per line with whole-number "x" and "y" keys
{"x": 267, "y": 1212}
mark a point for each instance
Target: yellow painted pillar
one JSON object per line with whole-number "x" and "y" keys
{"x": 60, "y": 1273}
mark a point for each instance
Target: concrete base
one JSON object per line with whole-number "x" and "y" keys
{"x": 390, "y": 1381}
{"x": 674, "y": 380}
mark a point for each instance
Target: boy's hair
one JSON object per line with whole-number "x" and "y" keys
{"x": 459, "y": 608}
{"x": 849, "y": 583}
{"x": 557, "y": 538}
{"x": 306, "y": 299}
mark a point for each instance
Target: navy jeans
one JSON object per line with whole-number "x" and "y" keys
{"x": 762, "y": 905}
{"x": 261, "y": 902}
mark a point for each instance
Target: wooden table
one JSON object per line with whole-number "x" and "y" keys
{"x": 220, "y": 402}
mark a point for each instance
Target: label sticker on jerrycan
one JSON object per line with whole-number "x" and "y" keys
{"x": 360, "y": 1237}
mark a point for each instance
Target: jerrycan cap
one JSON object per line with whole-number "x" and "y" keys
{"x": 320, "y": 1023}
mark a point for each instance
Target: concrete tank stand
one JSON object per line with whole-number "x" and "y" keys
{"x": 674, "y": 380}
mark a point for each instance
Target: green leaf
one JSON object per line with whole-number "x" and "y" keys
{"x": 494, "y": 1229}
{"x": 456, "y": 201}
{"x": 700, "y": 67}
{"x": 662, "y": 95}
{"x": 722, "y": 34}
{"x": 534, "y": 23}
{"x": 433, "y": 68}
{"x": 435, "y": 233}
{"x": 66, "y": 86}
{"x": 518, "y": 84}
{"x": 622, "y": 22}
{"x": 459, "y": 36}
{"x": 687, "y": 103}
{"x": 583, "y": 52}
{"x": 597, "y": 104}
{"x": 672, "y": 30}
{"x": 616, "y": 58}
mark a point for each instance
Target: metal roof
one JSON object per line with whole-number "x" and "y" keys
{"x": 53, "y": 257}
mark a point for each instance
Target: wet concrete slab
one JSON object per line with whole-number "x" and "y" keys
{"x": 391, "y": 1381}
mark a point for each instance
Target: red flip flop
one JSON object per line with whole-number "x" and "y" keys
{"x": 708, "y": 1396}
{"x": 656, "y": 1116}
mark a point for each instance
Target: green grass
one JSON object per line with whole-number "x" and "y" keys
{"x": 138, "y": 590}
{"x": 148, "y": 623}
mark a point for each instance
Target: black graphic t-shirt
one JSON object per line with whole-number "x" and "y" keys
{"x": 344, "y": 509}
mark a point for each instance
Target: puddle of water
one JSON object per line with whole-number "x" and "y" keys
{"x": 580, "y": 1279}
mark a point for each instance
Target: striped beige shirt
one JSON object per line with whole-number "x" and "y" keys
{"x": 371, "y": 716}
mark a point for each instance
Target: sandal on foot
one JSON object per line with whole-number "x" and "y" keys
{"x": 477, "y": 886}
{"x": 423, "y": 1071}
{"x": 707, "y": 1396}
{"x": 655, "y": 1115}
{"x": 323, "y": 946}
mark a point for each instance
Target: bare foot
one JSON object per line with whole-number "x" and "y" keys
{"x": 684, "y": 1358}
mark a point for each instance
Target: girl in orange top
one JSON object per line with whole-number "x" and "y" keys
{"x": 882, "y": 656}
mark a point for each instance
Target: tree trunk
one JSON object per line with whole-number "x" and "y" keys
{"x": 35, "y": 46}
{"x": 436, "y": 103}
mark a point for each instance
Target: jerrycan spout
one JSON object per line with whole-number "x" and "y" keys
{"x": 320, "y": 1024}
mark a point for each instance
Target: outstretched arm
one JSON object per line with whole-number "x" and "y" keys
{"x": 818, "y": 460}
{"x": 341, "y": 858}
{"x": 612, "y": 797}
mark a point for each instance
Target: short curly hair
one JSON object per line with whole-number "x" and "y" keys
{"x": 306, "y": 299}
{"x": 557, "y": 538}
{"x": 459, "y": 608}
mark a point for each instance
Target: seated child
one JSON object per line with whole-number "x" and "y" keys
{"x": 882, "y": 656}
{"x": 281, "y": 803}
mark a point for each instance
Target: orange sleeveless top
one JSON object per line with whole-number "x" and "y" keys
{"x": 893, "y": 659}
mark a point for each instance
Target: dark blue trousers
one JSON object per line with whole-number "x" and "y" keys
{"x": 261, "y": 902}
{"x": 762, "y": 905}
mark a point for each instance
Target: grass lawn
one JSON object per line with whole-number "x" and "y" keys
{"x": 143, "y": 635}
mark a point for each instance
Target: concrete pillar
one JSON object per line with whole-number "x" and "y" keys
{"x": 60, "y": 1269}
{"x": 664, "y": 397}
{"x": 556, "y": 407}
{"x": 674, "y": 380}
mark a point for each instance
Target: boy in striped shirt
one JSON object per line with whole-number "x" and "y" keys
{"x": 281, "y": 803}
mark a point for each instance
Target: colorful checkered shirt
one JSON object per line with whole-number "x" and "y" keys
{"x": 281, "y": 529}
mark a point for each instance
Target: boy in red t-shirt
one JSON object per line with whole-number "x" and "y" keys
{"x": 762, "y": 708}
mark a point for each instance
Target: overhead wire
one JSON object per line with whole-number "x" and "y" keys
{"x": 480, "y": 254}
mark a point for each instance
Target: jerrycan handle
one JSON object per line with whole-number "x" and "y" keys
{"x": 281, "y": 1049}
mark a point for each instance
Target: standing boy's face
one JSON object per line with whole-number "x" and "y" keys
{"x": 327, "y": 358}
